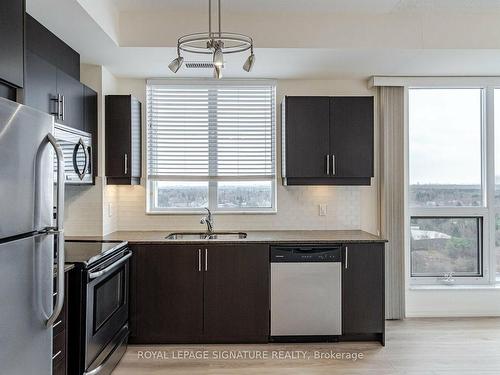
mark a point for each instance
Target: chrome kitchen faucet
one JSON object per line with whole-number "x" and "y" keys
{"x": 209, "y": 221}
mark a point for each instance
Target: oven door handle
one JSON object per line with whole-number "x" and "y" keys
{"x": 94, "y": 275}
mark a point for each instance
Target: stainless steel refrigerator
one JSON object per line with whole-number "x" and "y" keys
{"x": 30, "y": 238}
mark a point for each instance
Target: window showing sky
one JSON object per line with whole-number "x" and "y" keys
{"x": 445, "y": 136}
{"x": 497, "y": 139}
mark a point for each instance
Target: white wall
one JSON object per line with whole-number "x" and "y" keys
{"x": 110, "y": 193}
{"x": 457, "y": 302}
{"x": 348, "y": 207}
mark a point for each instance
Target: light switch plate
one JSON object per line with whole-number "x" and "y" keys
{"x": 110, "y": 209}
{"x": 323, "y": 209}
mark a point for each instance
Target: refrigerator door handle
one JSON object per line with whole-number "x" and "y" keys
{"x": 59, "y": 231}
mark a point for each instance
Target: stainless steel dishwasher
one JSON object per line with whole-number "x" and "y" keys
{"x": 306, "y": 292}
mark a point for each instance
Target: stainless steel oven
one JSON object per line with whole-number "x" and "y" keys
{"x": 77, "y": 149}
{"x": 98, "y": 305}
{"x": 107, "y": 309}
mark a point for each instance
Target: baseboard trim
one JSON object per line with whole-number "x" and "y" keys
{"x": 446, "y": 314}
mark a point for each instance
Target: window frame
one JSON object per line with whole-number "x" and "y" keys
{"x": 212, "y": 181}
{"x": 495, "y": 210}
{"x": 486, "y": 212}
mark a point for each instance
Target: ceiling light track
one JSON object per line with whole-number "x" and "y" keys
{"x": 215, "y": 43}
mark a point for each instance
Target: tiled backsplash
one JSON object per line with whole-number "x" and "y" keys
{"x": 88, "y": 211}
{"x": 298, "y": 208}
{"x": 82, "y": 210}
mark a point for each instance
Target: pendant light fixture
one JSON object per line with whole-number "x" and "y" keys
{"x": 215, "y": 43}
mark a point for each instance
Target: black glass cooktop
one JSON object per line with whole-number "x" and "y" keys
{"x": 89, "y": 252}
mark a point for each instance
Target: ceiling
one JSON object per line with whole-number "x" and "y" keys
{"x": 142, "y": 44}
{"x": 318, "y": 63}
{"x": 264, "y": 5}
{"x": 333, "y": 6}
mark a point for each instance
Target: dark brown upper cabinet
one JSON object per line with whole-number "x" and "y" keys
{"x": 327, "y": 140}
{"x": 72, "y": 101}
{"x": 53, "y": 91}
{"x": 49, "y": 47}
{"x": 12, "y": 42}
{"x": 52, "y": 76}
{"x": 123, "y": 140}
{"x": 40, "y": 88}
{"x": 306, "y": 129}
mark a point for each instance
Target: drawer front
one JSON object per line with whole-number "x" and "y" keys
{"x": 59, "y": 348}
{"x": 59, "y": 336}
{"x": 60, "y": 323}
{"x": 59, "y": 368}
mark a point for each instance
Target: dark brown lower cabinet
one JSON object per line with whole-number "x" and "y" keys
{"x": 363, "y": 291}
{"x": 60, "y": 337}
{"x": 59, "y": 368}
{"x": 236, "y": 290}
{"x": 192, "y": 293}
{"x": 219, "y": 293}
{"x": 168, "y": 298}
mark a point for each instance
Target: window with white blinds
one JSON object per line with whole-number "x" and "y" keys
{"x": 211, "y": 145}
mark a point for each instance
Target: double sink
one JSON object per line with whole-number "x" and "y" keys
{"x": 193, "y": 236}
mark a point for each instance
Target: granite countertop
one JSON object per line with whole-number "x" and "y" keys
{"x": 67, "y": 267}
{"x": 275, "y": 236}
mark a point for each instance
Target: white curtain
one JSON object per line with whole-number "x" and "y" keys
{"x": 391, "y": 112}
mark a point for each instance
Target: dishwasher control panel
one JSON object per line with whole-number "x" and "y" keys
{"x": 304, "y": 254}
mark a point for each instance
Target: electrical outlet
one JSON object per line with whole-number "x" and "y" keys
{"x": 110, "y": 209}
{"x": 323, "y": 209}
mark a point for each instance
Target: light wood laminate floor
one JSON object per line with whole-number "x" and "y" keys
{"x": 413, "y": 347}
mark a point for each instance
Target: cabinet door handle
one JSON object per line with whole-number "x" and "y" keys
{"x": 333, "y": 165}
{"x": 345, "y": 258}
{"x": 63, "y": 111}
{"x": 57, "y": 112}
{"x": 328, "y": 164}
{"x": 199, "y": 260}
{"x": 125, "y": 159}
{"x": 206, "y": 260}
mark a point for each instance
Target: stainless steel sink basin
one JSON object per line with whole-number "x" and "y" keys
{"x": 227, "y": 236}
{"x": 186, "y": 236}
{"x": 190, "y": 236}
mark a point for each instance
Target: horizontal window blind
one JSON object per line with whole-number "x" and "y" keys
{"x": 211, "y": 131}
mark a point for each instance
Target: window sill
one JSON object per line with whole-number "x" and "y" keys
{"x": 455, "y": 287}
{"x": 274, "y": 212}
